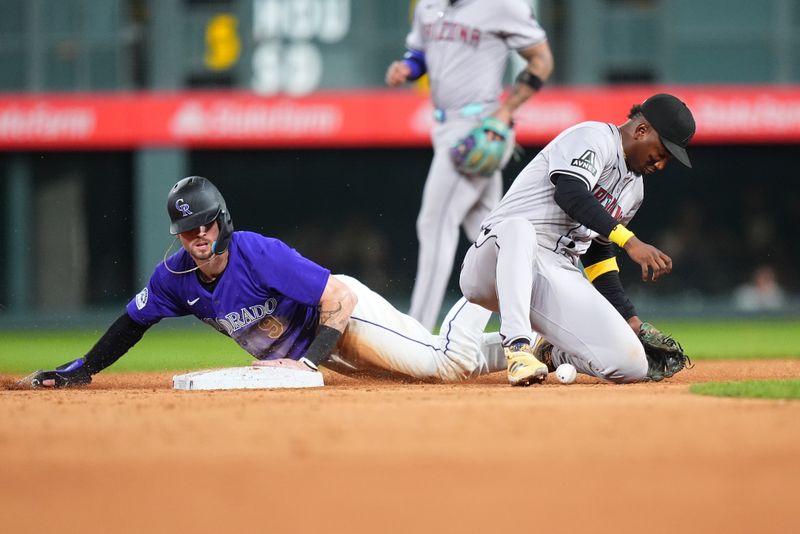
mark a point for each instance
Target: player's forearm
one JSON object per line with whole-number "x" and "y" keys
{"x": 335, "y": 307}
{"x": 120, "y": 336}
{"x": 123, "y": 334}
{"x": 609, "y": 285}
{"x": 573, "y": 196}
{"x": 600, "y": 266}
{"x": 531, "y": 79}
{"x": 518, "y": 95}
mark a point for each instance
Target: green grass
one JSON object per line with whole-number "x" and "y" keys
{"x": 165, "y": 349}
{"x": 734, "y": 339}
{"x": 730, "y": 339}
{"x": 754, "y": 389}
{"x": 159, "y": 350}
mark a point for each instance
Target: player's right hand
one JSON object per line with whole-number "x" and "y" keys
{"x": 397, "y": 73}
{"x": 653, "y": 262}
{"x": 70, "y": 374}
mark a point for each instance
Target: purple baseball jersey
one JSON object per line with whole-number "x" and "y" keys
{"x": 266, "y": 299}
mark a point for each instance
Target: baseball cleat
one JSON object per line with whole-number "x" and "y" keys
{"x": 543, "y": 351}
{"x": 523, "y": 368}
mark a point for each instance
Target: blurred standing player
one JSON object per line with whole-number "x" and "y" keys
{"x": 278, "y": 306}
{"x": 463, "y": 45}
{"x": 571, "y": 202}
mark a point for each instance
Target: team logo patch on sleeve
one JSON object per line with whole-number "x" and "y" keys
{"x": 141, "y": 299}
{"x": 586, "y": 161}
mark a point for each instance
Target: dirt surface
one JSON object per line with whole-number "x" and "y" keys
{"x": 129, "y": 454}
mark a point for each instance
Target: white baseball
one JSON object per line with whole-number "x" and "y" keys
{"x": 566, "y": 373}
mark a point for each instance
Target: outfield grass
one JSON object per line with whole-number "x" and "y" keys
{"x": 754, "y": 389}
{"x": 730, "y": 339}
{"x": 159, "y": 350}
{"x": 725, "y": 340}
{"x": 164, "y": 349}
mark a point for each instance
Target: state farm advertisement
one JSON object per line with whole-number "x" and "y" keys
{"x": 369, "y": 118}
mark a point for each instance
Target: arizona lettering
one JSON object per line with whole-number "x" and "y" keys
{"x": 608, "y": 202}
{"x": 452, "y": 31}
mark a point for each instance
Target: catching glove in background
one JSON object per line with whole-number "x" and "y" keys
{"x": 478, "y": 154}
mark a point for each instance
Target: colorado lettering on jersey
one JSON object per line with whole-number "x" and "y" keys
{"x": 452, "y": 31}
{"x": 608, "y": 202}
{"x": 586, "y": 161}
{"x": 234, "y": 321}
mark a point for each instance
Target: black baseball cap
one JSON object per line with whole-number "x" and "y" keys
{"x": 673, "y": 122}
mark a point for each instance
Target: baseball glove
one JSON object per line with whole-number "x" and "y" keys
{"x": 665, "y": 356}
{"x": 479, "y": 153}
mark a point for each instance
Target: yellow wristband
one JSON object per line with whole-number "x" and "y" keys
{"x": 620, "y": 235}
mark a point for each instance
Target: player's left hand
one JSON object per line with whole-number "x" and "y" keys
{"x": 665, "y": 356}
{"x": 71, "y": 374}
{"x": 285, "y": 363}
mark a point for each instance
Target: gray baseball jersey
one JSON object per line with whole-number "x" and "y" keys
{"x": 524, "y": 263}
{"x": 466, "y": 47}
{"x": 591, "y": 151}
{"x": 467, "y": 44}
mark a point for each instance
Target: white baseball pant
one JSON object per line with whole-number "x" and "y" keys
{"x": 535, "y": 288}
{"x": 381, "y": 340}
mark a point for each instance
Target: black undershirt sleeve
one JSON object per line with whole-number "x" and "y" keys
{"x": 322, "y": 345}
{"x": 609, "y": 284}
{"x": 573, "y": 196}
{"x": 123, "y": 334}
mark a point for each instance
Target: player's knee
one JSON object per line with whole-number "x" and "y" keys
{"x": 625, "y": 374}
{"x": 478, "y": 294}
{"x": 629, "y": 365}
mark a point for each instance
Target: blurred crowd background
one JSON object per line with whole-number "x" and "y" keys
{"x": 84, "y": 227}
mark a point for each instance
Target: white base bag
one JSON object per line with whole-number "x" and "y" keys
{"x": 253, "y": 377}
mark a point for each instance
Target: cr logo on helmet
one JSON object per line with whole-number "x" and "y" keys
{"x": 183, "y": 208}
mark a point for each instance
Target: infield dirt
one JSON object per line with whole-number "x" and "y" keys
{"x": 129, "y": 454}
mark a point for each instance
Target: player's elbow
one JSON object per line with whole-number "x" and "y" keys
{"x": 338, "y": 297}
{"x": 343, "y": 298}
{"x": 349, "y": 301}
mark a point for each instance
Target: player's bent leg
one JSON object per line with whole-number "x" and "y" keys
{"x": 609, "y": 366}
{"x": 517, "y": 250}
{"x": 462, "y": 340}
{"x": 379, "y": 339}
{"x": 498, "y": 271}
{"x": 497, "y": 274}
{"x": 585, "y": 328}
{"x": 492, "y": 351}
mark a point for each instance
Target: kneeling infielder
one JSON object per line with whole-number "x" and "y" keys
{"x": 572, "y": 202}
{"x": 279, "y": 306}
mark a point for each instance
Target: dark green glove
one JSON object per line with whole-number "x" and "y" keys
{"x": 70, "y": 374}
{"x": 665, "y": 356}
